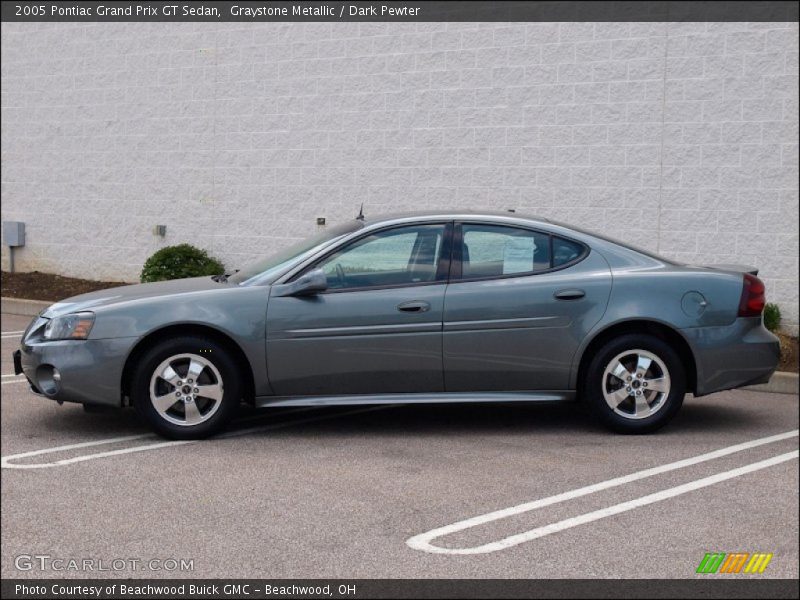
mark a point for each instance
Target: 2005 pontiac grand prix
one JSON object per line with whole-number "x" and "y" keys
{"x": 415, "y": 308}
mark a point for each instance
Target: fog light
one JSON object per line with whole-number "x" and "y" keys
{"x": 48, "y": 379}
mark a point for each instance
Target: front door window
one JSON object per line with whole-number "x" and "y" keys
{"x": 395, "y": 257}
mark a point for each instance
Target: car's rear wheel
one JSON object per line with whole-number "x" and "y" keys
{"x": 187, "y": 387}
{"x": 635, "y": 383}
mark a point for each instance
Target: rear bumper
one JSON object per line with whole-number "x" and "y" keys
{"x": 740, "y": 354}
{"x": 90, "y": 371}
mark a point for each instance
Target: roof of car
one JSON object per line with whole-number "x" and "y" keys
{"x": 451, "y": 214}
{"x": 509, "y": 218}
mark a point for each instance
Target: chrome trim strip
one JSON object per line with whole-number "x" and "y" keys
{"x": 362, "y": 330}
{"x": 423, "y": 398}
{"x": 527, "y": 322}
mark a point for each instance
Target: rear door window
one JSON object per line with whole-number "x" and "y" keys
{"x": 497, "y": 251}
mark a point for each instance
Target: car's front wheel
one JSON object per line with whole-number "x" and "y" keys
{"x": 186, "y": 387}
{"x": 635, "y": 383}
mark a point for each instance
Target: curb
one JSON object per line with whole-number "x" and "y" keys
{"x": 20, "y": 306}
{"x": 781, "y": 382}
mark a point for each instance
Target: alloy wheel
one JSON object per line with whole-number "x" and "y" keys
{"x": 186, "y": 389}
{"x": 636, "y": 384}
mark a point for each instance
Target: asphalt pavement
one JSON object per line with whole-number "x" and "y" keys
{"x": 361, "y": 492}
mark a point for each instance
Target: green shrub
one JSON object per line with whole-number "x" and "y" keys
{"x": 178, "y": 262}
{"x": 772, "y": 316}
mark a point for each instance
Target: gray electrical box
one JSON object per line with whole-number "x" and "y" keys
{"x": 14, "y": 233}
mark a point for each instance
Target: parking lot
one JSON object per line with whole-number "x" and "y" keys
{"x": 351, "y": 492}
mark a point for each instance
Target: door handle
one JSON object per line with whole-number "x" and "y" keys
{"x": 417, "y": 306}
{"x": 569, "y": 294}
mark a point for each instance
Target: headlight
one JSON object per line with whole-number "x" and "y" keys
{"x": 70, "y": 327}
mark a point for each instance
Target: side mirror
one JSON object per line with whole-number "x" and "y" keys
{"x": 306, "y": 285}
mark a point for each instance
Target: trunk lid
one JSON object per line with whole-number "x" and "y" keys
{"x": 732, "y": 268}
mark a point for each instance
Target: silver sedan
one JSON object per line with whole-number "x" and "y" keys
{"x": 416, "y": 308}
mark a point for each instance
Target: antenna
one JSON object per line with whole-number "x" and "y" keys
{"x": 360, "y": 216}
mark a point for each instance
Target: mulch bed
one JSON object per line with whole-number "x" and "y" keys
{"x": 43, "y": 286}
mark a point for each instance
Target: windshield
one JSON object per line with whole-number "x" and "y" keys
{"x": 266, "y": 269}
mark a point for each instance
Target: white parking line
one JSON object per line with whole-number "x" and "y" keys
{"x": 12, "y": 379}
{"x": 423, "y": 541}
{"x": 116, "y": 440}
{"x": 76, "y": 459}
{"x": 609, "y": 511}
{"x": 6, "y": 463}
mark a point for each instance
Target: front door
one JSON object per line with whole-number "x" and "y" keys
{"x": 378, "y": 326}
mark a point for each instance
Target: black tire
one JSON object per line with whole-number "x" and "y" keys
{"x": 208, "y": 350}
{"x": 596, "y": 379}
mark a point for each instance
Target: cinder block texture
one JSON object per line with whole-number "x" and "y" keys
{"x": 679, "y": 137}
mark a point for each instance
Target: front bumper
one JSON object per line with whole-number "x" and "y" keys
{"x": 736, "y": 355}
{"x": 89, "y": 371}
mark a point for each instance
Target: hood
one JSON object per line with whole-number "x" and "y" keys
{"x": 127, "y": 293}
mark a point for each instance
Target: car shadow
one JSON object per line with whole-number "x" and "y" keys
{"x": 488, "y": 418}
{"x": 111, "y": 422}
{"x": 509, "y": 419}
{"x": 442, "y": 419}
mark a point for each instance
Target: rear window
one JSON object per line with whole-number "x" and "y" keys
{"x": 625, "y": 245}
{"x": 565, "y": 251}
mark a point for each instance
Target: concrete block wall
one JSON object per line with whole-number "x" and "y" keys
{"x": 679, "y": 137}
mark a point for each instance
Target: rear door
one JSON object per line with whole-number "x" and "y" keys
{"x": 378, "y": 326}
{"x": 518, "y": 305}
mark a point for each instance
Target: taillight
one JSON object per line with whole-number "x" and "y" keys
{"x": 753, "y": 299}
